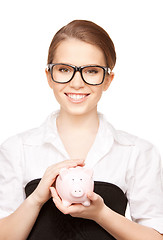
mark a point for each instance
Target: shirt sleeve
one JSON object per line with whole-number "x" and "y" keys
{"x": 145, "y": 193}
{"x": 11, "y": 176}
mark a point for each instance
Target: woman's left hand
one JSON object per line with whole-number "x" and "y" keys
{"x": 78, "y": 210}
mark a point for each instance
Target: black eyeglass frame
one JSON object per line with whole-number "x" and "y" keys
{"x": 78, "y": 69}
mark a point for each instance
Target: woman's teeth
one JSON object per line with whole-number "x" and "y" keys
{"x": 77, "y": 96}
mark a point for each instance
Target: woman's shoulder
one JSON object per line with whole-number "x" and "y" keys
{"x": 34, "y": 136}
{"x": 19, "y": 139}
{"x": 125, "y": 138}
{"x": 134, "y": 140}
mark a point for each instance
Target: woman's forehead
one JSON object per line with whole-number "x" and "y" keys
{"x": 77, "y": 52}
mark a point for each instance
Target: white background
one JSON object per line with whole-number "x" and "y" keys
{"x": 134, "y": 101}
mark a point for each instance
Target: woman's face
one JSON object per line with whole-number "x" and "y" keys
{"x": 76, "y": 97}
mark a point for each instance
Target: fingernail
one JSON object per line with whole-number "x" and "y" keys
{"x": 51, "y": 189}
{"x": 90, "y": 194}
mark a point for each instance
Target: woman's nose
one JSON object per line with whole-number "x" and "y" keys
{"x": 77, "y": 81}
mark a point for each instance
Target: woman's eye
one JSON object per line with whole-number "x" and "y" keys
{"x": 91, "y": 71}
{"x": 64, "y": 70}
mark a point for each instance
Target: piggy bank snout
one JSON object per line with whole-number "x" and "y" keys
{"x": 77, "y": 192}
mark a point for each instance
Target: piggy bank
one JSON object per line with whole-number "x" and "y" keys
{"x": 73, "y": 184}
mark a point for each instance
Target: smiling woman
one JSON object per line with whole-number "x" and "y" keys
{"x": 88, "y": 85}
{"x": 126, "y": 168}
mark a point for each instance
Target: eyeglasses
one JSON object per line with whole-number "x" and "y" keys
{"x": 64, "y": 73}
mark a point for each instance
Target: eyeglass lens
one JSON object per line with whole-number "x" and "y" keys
{"x": 91, "y": 75}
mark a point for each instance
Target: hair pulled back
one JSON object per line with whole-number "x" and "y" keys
{"x": 88, "y": 32}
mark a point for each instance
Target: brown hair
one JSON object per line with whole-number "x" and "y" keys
{"x": 88, "y": 32}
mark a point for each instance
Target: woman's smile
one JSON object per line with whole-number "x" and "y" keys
{"x": 77, "y": 97}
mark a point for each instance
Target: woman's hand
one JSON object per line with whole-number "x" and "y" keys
{"x": 42, "y": 192}
{"x": 78, "y": 210}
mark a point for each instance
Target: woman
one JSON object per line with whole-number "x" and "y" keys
{"x": 80, "y": 63}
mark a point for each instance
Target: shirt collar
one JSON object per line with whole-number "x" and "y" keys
{"x": 47, "y": 133}
{"x": 120, "y": 137}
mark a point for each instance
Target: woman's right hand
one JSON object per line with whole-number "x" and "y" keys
{"x": 42, "y": 192}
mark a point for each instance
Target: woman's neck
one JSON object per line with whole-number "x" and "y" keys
{"x": 77, "y": 123}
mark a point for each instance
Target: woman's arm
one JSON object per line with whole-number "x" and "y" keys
{"x": 117, "y": 225}
{"x": 18, "y": 225}
{"x": 124, "y": 229}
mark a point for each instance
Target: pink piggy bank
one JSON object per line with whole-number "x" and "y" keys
{"x": 73, "y": 184}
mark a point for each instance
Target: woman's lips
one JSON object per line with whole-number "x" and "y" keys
{"x": 77, "y": 97}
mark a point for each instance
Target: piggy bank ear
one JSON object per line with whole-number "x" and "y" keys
{"x": 89, "y": 171}
{"x": 63, "y": 172}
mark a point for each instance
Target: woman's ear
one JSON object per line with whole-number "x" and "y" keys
{"x": 48, "y": 76}
{"x": 108, "y": 79}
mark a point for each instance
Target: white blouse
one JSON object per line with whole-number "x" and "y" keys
{"x": 116, "y": 157}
